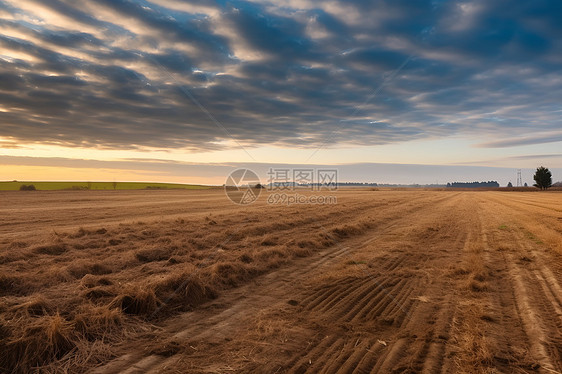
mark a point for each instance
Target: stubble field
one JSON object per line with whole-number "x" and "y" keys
{"x": 188, "y": 282}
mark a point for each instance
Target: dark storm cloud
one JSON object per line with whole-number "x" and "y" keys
{"x": 131, "y": 74}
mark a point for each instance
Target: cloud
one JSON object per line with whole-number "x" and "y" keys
{"x": 534, "y": 157}
{"x": 218, "y": 172}
{"x": 529, "y": 140}
{"x": 125, "y": 74}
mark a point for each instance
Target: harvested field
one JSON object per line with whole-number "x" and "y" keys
{"x": 186, "y": 281}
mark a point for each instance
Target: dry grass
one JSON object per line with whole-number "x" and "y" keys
{"x": 66, "y": 294}
{"x": 477, "y": 274}
{"x": 40, "y": 339}
{"x": 538, "y": 214}
{"x": 475, "y": 349}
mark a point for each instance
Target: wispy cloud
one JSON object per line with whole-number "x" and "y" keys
{"x": 527, "y": 140}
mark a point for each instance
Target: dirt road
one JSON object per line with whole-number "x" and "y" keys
{"x": 455, "y": 282}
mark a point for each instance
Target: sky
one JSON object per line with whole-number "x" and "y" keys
{"x": 389, "y": 91}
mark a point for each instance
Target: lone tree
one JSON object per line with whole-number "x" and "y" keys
{"x": 509, "y": 184}
{"x": 543, "y": 178}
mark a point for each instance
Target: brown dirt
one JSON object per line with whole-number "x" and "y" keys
{"x": 384, "y": 281}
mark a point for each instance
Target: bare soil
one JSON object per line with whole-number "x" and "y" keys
{"x": 187, "y": 282}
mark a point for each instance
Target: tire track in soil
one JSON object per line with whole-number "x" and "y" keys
{"x": 535, "y": 299}
{"x": 530, "y": 317}
{"x": 481, "y": 308}
{"x": 384, "y": 304}
{"x": 246, "y": 300}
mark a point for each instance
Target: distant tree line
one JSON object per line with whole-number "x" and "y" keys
{"x": 357, "y": 184}
{"x": 473, "y": 184}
